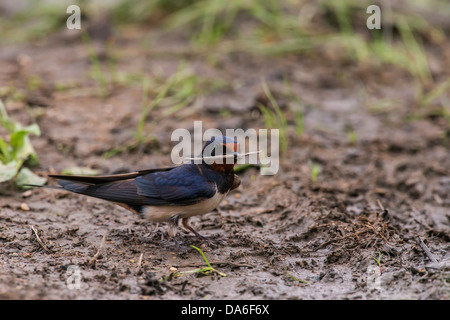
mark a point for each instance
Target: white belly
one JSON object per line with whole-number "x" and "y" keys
{"x": 163, "y": 213}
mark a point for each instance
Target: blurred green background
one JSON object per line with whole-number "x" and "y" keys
{"x": 259, "y": 27}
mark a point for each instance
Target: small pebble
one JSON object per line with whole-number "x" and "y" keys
{"x": 27, "y": 193}
{"x": 24, "y": 207}
{"x": 173, "y": 269}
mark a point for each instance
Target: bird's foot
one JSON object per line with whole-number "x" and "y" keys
{"x": 177, "y": 245}
{"x": 210, "y": 242}
{"x": 206, "y": 240}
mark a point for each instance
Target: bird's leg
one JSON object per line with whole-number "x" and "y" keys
{"x": 173, "y": 226}
{"x": 185, "y": 222}
{"x": 172, "y": 231}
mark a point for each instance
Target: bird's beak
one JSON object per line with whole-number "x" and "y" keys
{"x": 241, "y": 155}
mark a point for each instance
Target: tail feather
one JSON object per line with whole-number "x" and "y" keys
{"x": 43, "y": 186}
{"x": 108, "y": 178}
{"x": 119, "y": 188}
{"x": 122, "y": 191}
{"x": 74, "y": 186}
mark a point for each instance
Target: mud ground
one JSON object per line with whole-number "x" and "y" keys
{"x": 383, "y": 196}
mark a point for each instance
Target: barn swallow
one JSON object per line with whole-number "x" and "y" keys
{"x": 166, "y": 194}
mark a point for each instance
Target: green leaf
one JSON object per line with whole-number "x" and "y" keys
{"x": 26, "y": 176}
{"x": 209, "y": 268}
{"x": 17, "y": 139}
{"x": 5, "y": 154}
{"x": 8, "y": 171}
{"x": 9, "y": 124}
{"x": 33, "y": 129}
{"x": 203, "y": 255}
{"x": 6, "y": 121}
{"x": 21, "y": 146}
{"x": 297, "y": 279}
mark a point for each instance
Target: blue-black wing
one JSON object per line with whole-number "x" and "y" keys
{"x": 183, "y": 185}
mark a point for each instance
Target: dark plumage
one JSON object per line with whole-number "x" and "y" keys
{"x": 165, "y": 194}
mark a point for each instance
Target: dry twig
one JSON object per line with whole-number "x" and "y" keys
{"x": 40, "y": 241}
{"x": 140, "y": 261}
{"x": 427, "y": 251}
{"x": 94, "y": 258}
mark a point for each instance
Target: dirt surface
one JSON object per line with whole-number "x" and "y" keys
{"x": 384, "y": 195}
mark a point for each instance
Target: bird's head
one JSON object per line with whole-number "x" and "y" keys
{"x": 220, "y": 153}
